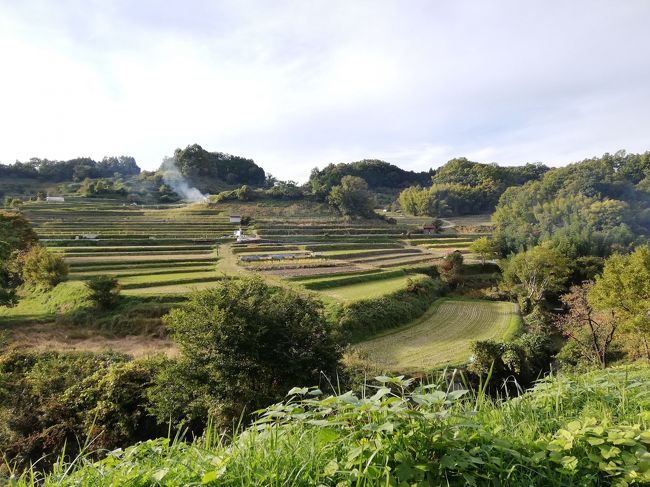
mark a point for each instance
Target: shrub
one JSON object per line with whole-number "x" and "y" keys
{"x": 451, "y": 268}
{"x": 41, "y": 268}
{"x": 586, "y": 430}
{"x": 105, "y": 291}
{"x": 360, "y": 319}
{"x": 245, "y": 343}
{"x": 40, "y": 417}
{"x": 524, "y": 358}
{"x": 113, "y": 404}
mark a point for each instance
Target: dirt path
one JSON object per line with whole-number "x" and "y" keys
{"x": 49, "y": 336}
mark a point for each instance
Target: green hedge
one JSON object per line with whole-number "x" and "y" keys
{"x": 362, "y": 319}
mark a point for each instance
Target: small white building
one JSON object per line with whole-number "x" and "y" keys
{"x": 235, "y": 218}
{"x": 55, "y": 199}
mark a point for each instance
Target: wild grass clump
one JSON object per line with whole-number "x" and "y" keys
{"x": 568, "y": 431}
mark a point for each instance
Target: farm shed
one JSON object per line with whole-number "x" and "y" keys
{"x": 429, "y": 229}
{"x": 55, "y": 199}
{"x": 235, "y": 218}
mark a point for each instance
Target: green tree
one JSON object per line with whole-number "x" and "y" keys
{"x": 624, "y": 290}
{"x": 485, "y": 248}
{"x": 352, "y": 198}
{"x": 536, "y": 272}
{"x": 451, "y": 268}
{"x": 16, "y": 234}
{"x": 104, "y": 291}
{"x": 245, "y": 344}
{"x": 41, "y": 268}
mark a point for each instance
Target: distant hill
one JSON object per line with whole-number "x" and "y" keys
{"x": 44, "y": 175}
{"x": 76, "y": 169}
{"x": 378, "y": 174}
{"x": 469, "y": 173}
{"x": 209, "y": 171}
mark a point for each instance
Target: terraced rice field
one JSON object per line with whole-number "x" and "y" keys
{"x": 173, "y": 248}
{"x": 442, "y": 336}
{"x": 161, "y": 250}
{"x": 341, "y": 256}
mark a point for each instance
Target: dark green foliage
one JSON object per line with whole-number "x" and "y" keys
{"x": 285, "y": 190}
{"x": 586, "y": 268}
{"x": 361, "y": 319}
{"x": 526, "y": 358}
{"x": 244, "y": 343}
{"x": 244, "y": 193}
{"x": 102, "y": 187}
{"x": 449, "y": 199}
{"x": 593, "y": 207}
{"x": 468, "y": 173}
{"x": 352, "y": 198}
{"x": 72, "y": 170}
{"x": 463, "y": 187}
{"x": 105, "y": 291}
{"x": 16, "y": 234}
{"x": 54, "y": 400}
{"x": 209, "y": 170}
{"x": 571, "y": 430}
{"x": 115, "y": 403}
{"x": 378, "y": 174}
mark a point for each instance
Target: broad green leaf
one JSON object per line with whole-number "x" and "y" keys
{"x": 331, "y": 468}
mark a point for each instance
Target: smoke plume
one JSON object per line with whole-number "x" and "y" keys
{"x": 175, "y": 180}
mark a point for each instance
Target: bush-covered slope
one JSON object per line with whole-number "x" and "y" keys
{"x": 594, "y": 207}
{"x": 208, "y": 171}
{"x": 592, "y": 429}
{"x": 378, "y": 174}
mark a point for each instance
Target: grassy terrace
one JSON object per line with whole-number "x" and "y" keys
{"x": 442, "y": 336}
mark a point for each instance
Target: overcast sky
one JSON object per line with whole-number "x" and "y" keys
{"x": 300, "y": 84}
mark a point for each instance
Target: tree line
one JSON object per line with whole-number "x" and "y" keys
{"x": 463, "y": 187}
{"x": 76, "y": 169}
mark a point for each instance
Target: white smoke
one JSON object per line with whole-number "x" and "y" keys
{"x": 174, "y": 179}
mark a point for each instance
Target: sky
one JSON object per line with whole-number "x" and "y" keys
{"x": 299, "y": 84}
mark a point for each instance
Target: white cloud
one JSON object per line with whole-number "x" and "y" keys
{"x": 296, "y": 84}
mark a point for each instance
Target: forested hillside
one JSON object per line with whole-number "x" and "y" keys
{"x": 71, "y": 170}
{"x": 593, "y": 207}
{"x": 378, "y": 174}
{"x": 463, "y": 187}
{"x": 209, "y": 171}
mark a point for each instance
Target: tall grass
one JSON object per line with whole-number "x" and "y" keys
{"x": 568, "y": 431}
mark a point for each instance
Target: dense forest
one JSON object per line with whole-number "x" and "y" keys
{"x": 378, "y": 175}
{"x": 592, "y": 207}
{"x": 71, "y": 170}
{"x": 463, "y": 187}
{"x": 209, "y": 171}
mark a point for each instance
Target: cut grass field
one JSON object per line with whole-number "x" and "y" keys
{"x": 365, "y": 290}
{"x": 172, "y": 289}
{"x": 442, "y": 336}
